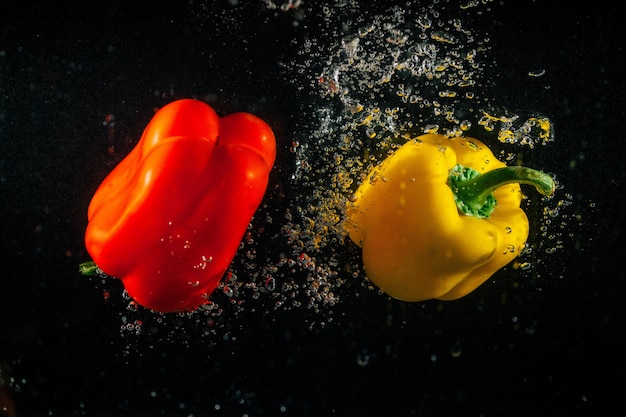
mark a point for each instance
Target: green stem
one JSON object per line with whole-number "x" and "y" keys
{"x": 88, "y": 268}
{"x": 473, "y": 192}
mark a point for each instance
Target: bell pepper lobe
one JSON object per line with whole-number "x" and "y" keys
{"x": 169, "y": 218}
{"x": 440, "y": 216}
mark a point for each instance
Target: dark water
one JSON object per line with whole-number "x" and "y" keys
{"x": 545, "y": 343}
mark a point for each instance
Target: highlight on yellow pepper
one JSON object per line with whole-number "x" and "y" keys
{"x": 438, "y": 217}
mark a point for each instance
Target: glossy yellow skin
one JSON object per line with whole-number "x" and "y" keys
{"x": 416, "y": 244}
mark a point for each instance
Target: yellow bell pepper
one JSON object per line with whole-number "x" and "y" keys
{"x": 438, "y": 217}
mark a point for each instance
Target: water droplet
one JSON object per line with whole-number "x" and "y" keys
{"x": 456, "y": 350}
{"x": 228, "y": 291}
{"x": 363, "y": 360}
{"x": 537, "y": 73}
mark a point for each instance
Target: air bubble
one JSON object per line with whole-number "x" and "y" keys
{"x": 431, "y": 129}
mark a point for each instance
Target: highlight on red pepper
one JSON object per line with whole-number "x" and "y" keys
{"x": 440, "y": 216}
{"x": 169, "y": 218}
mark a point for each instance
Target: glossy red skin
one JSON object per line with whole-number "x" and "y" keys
{"x": 169, "y": 218}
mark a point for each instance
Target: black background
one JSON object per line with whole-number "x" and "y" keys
{"x": 554, "y": 348}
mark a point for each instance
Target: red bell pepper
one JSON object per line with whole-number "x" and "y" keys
{"x": 169, "y": 218}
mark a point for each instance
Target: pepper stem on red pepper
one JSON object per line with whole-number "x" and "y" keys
{"x": 88, "y": 268}
{"x": 473, "y": 192}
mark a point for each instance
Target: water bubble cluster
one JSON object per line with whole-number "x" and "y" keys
{"x": 398, "y": 71}
{"x": 556, "y": 225}
{"x": 535, "y": 130}
{"x": 131, "y": 327}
